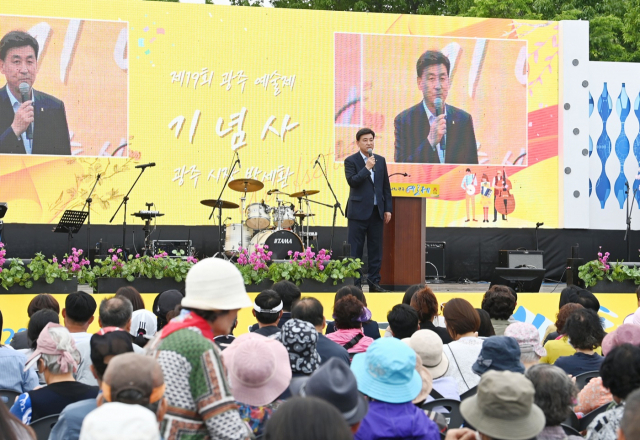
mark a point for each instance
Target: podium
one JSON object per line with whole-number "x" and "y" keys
{"x": 403, "y": 246}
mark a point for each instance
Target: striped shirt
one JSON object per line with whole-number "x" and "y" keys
{"x": 12, "y": 374}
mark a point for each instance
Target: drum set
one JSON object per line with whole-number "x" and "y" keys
{"x": 281, "y": 227}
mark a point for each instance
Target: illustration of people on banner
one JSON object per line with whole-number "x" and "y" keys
{"x": 485, "y": 197}
{"x": 469, "y": 184}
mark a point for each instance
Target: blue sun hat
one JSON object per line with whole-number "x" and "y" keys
{"x": 387, "y": 371}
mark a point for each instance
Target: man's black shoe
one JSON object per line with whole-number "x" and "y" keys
{"x": 373, "y": 287}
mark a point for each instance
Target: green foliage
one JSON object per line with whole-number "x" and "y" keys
{"x": 336, "y": 270}
{"x": 595, "y": 271}
{"x": 16, "y": 274}
{"x": 49, "y": 270}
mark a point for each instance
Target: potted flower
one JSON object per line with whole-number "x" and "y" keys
{"x": 602, "y": 276}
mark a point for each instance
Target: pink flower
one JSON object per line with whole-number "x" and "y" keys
{"x": 110, "y": 250}
{"x": 114, "y": 258}
{"x": 59, "y": 266}
{"x": 137, "y": 255}
{"x": 1, "y": 244}
{"x": 114, "y": 268}
{"x": 55, "y": 260}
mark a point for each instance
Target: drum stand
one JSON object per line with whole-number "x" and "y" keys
{"x": 219, "y": 206}
{"x": 307, "y": 200}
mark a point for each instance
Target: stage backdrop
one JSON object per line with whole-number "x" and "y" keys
{"x": 204, "y": 82}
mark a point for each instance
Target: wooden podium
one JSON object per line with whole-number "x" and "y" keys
{"x": 403, "y": 252}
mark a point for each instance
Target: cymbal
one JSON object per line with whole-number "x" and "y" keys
{"x": 213, "y": 203}
{"x": 248, "y": 185}
{"x": 305, "y": 193}
{"x": 303, "y": 214}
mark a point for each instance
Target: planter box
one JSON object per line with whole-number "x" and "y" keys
{"x": 307, "y": 286}
{"x": 606, "y": 286}
{"x": 41, "y": 286}
{"x": 142, "y": 285}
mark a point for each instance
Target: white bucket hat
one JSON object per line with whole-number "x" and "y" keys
{"x": 215, "y": 284}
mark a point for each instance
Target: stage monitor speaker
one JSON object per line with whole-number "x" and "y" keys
{"x": 169, "y": 246}
{"x": 515, "y": 259}
{"x": 435, "y": 258}
{"x": 521, "y": 280}
{"x": 573, "y": 265}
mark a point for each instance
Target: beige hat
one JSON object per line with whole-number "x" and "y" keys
{"x": 215, "y": 284}
{"x": 428, "y": 345}
{"x": 503, "y": 407}
{"x": 120, "y": 421}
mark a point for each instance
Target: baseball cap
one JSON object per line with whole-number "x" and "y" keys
{"x": 133, "y": 372}
{"x": 215, "y": 284}
{"x": 166, "y": 302}
{"x": 120, "y": 421}
{"x": 108, "y": 342}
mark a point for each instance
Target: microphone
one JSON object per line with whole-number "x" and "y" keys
{"x": 238, "y": 156}
{"x": 316, "y": 162}
{"x": 539, "y": 224}
{"x": 150, "y": 164}
{"x": 370, "y": 152}
{"x": 439, "y": 111}
{"x": 25, "y": 91}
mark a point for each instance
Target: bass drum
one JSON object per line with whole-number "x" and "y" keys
{"x": 279, "y": 242}
{"x": 233, "y": 240}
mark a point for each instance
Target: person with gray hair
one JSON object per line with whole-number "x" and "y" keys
{"x": 113, "y": 312}
{"x": 555, "y": 394}
{"x": 57, "y": 359}
{"x": 630, "y": 423}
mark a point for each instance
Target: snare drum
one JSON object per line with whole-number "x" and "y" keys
{"x": 233, "y": 240}
{"x": 283, "y": 216}
{"x": 279, "y": 242}
{"x": 258, "y": 216}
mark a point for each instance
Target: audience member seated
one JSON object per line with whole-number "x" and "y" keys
{"x": 134, "y": 422}
{"x": 370, "y": 328}
{"x": 267, "y": 309}
{"x": 165, "y": 304}
{"x": 114, "y": 312}
{"x": 585, "y": 332}
{"x": 143, "y": 327}
{"x": 462, "y": 324}
{"x": 57, "y": 359}
{"x": 387, "y": 374}
{"x": 12, "y": 429}
{"x": 630, "y": 423}
{"x": 223, "y": 341}
{"x": 573, "y": 295}
{"x": 335, "y": 383}
{"x": 78, "y": 311}
{"x": 310, "y": 310}
{"x": 555, "y": 394}
{"x": 259, "y": 372}
{"x": 134, "y": 297}
{"x": 426, "y": 304}
{"x": 528, "y": 339}
{"x": 499, "y": 353}
{"x": 620, "y": 373}
{"x": 633, "y": 318}
{"x": 504, "y": 408}
{"x": 300, "y": 338}
{"x": 38, "y": 321}
{"x": 38, "y": 302}
{"x": 289, "y": 293}
{"x": 14, "y": 376}
{"x": 486, "y": 328}
{"x": 411, "y": 290}
{"x": 349, "y": 314}
{"x": 428, "y": 346}
{"x": 559, "y": 345}
{"x": 310, "y": 418}
{"x": 594, "y": 394}
{"x": 500, "y": 304}
{"x": 105, "y": 346}
{"x": 403, "y": 321}
{"x": 190, "y": 361}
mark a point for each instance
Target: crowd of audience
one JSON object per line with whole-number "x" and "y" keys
{"x": 177, "y": 372}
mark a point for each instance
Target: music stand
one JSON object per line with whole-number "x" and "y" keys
{"x": 70, "y": 223}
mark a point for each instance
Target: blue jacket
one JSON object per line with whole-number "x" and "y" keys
{"x": 388, "y": 421}
{"x": 362, "y": 189}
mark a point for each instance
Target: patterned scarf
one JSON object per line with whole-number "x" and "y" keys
{"x": 187, "y": 320}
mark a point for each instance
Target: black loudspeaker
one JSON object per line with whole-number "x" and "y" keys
{"x": 572, "y": 272}
{"x": 435, "y": 257}
{"x": 515, "y": 259}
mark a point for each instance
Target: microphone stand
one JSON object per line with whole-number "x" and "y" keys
{"x": 336, "y": 206}
{"x": 537, "y": 227}
{"x": 627, "y": 234}
{"x": 124, "y": 223}
{"x": 219, "y": 206}
{"x": 88, "y": 203}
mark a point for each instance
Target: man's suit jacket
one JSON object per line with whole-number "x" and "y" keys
{"x": 360, "y": 204}
{"x": 50, "y": 134}
{"x": 412, "y": 129}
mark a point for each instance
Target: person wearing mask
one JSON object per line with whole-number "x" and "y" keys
{"x": 57, "y": 359}
{"x": 196, "y": 383}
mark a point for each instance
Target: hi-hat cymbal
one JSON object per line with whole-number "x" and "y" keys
{"x": 213, "y": 203}
{"x": 303, "y": 214}
{"x": 246, "y": 185}
{"x": 305, "y": 193}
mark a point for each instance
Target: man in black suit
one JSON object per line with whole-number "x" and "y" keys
{"x": 423, "y": 135}
{"x": 369, "y": 205}
{"x": 38, "y": 125}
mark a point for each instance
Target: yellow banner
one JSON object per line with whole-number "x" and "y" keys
{"x": 414, "y": 190}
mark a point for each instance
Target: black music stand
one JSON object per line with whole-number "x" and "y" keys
{"x": 70, "y": 223}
